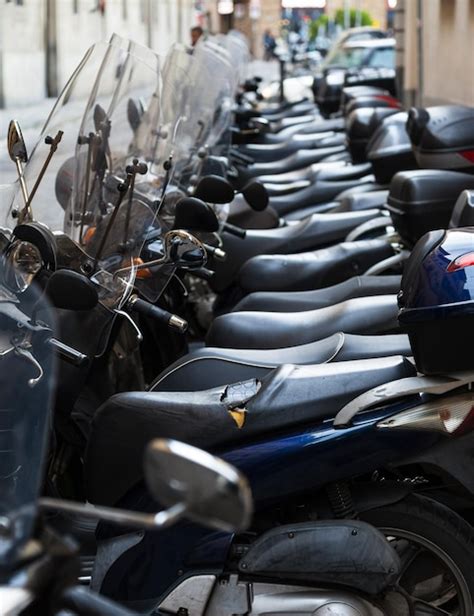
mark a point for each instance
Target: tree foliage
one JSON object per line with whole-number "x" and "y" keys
{"x": 354, "y": 19}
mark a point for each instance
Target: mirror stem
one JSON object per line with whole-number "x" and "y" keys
{"x": 85, "y": 197}
{"x": 168, "y": 166}
{"x": 150, "y": 521}
{"x": 27, "y": 212}
{"x": 123, "y": 188}
{"x": 21, "y": 178}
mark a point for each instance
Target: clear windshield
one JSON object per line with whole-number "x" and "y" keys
{"x": 24, "y": 418}
{"x": 197, "y": 98}
{"x": 237, "y": 46}
{"x": 104, "y": 184}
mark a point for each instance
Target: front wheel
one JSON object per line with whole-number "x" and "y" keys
{"x": 436, "y": 549}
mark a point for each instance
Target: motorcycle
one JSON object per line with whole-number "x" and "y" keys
{"x": 39, "y": 566}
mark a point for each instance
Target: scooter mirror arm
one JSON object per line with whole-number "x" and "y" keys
{"x": 118, "y": 516}
{"x": 382, "y": 394}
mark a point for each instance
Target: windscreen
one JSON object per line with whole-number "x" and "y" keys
{"x": 104, "y": 184}
{"x": 27, "y": 391}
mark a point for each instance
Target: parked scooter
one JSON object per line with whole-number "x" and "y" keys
{"x": 280, "y": 428}
{"x": 39, "y": 566}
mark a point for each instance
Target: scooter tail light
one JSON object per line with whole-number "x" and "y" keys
{"x": 448, "y": 415}
{"x": 466, "y": 260}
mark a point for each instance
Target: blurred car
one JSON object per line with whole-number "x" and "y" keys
{"x": 327, "y": 46}
{"x": 378, "y": 53}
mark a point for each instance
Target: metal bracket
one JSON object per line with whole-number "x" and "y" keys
{"x": 403, "y": 387}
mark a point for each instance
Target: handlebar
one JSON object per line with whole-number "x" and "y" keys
{"x": 203, "y": 273}
{"x": 68, "y": 354}
{"x": 217, "y": 253}
{"x": 155, "y": 312}
{"x": 233, "y": 230}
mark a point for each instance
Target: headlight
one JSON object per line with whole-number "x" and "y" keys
{"x": 23, "y": 262}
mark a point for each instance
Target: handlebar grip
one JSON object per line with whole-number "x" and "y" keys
{"x": 155, "y": 312}
{"x": 68, "y": 354}
{"x": 217, "y": 253}
{"x": 237, "y": 231}
{"x": 203, "y": 273}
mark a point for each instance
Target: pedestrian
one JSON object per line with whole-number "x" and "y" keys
{"x": 196, "y": 33}
{"x": 269, "y": 45}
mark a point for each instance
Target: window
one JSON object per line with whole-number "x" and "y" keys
{"x": 75, "y": 6}
{"x": 382, "y": 58}
{"x": 124, "y": 10}
{"x": 347, "y": 57}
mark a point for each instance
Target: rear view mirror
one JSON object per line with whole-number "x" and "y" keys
{"x": 184, "y": 250}
{"x": 69, "y": 290}
{"x": 134, "y": 114}
{"x": 100, "y": 117}
{"x": 213, "y": 493}
{"x": 194, "y": 214}
{"x": 256, "y": 195}
{"x": 214, "y": 189}
{"x": 16, "y": 144}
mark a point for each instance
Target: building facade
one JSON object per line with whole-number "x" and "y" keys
{"x": 42, "y": 41}
{"x": 252, "y": 17}
{"x": 435, "y": 51}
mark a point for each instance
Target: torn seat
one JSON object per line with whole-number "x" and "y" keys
{"x": 286, "y": 398}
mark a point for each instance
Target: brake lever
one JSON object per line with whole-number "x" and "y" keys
{"x": 126, "y": 316}
{"x": 23, "y": 351}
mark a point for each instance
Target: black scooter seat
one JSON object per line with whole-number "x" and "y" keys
{"x": 358, "y": 202}
{"x": 309, "y": 173}
{"x": 278, "y": 189}
{"x": 312, "y": 270}
{"x": 287, "y": 398}
{"x": 273, "y": 330}
{"x": 211, "y": 366}
{"x": 297, "y": 301}
{"x": 261, "y": 153}
{"x": 298, "y": 160}
{"x": 318, "y": 230}
{"x": 314, "y": 126}
{"x": 326, "y": 185}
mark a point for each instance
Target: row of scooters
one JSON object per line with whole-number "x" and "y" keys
{"x": 237, "y": 278}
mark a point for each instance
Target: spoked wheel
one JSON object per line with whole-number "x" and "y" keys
{"x": 436, "y": 549}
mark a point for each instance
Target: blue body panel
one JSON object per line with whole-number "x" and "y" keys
{"x": 278, "y": 468}
{"x": 440, "y": 293}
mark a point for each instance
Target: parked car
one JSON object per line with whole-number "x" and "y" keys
{"x": 352, "y": 55}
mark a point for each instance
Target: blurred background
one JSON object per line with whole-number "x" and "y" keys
{"x": 42, "y": 41}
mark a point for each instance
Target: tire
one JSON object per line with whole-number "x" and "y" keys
{"x": 444, "y": 543}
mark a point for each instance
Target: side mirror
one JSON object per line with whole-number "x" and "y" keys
{"x": 213, "y": 493}
{"x": 184, "y": 250}
{"x": 100, "y": 117}
{"x": 192, "y": 213}
{"x": 134, "y": 114}
{"x": 192, "y": 483}
{"x": 16, "y": 144}
{"x": 214, "y": 189}
{"x": 69, "y": 290}
{"x": 256, "y": 195}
